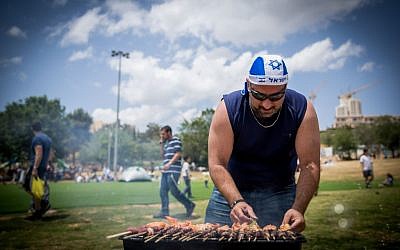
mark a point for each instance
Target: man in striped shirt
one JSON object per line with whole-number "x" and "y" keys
{"x": 171, "y": 149}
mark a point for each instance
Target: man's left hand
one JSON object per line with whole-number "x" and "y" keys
{"x": 295, "y": 219}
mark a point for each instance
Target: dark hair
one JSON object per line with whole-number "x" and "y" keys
{"x": 37, "y": 126}
{"x": 185, "y": 158}
{"x": 166, "y": 128}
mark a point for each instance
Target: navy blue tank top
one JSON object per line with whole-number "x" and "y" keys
{"x": 264, "y": 157}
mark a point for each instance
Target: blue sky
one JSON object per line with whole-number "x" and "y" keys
{"x": 185, "y": 54}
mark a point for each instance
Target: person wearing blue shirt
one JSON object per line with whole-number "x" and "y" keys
{"x": 40, "y": 154}
{"x": 256, "y": 136}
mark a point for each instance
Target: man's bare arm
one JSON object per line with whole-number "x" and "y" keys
{"x": 220, "y": 144}
{"x": 176, "y": 156}
{"x": 38, "y": 159}
{"x": 308, "y": 151}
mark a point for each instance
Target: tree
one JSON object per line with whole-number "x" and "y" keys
{"x": 327, "y": 137}
{"x": 152, "y": 133}
{"x": 365, "y": 135}
{"x": 79, "y": 123}
{"x": 15, "y": 125}
{"x": 96, "y": 149}
{"x": 344, "y": 142}
{"x": 194, "y": 135}
{"x": 388, "y": 133}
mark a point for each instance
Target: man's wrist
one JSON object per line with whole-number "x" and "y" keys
{"x": 233, "y": 204}
{"x": 298, "y": 209}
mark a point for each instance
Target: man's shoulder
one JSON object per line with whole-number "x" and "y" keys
{"x": 294, "y": 95}
{"x": 233, "y": 95}
{"x": 175, "y": 139}
{"x": 41, "y": 139}
{"x": 234, "y": 100}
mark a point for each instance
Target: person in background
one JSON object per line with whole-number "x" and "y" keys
{"x": 186, "y": 176}
{"x": 389, "y": 181}
{"x": 206, "y": 177}
{"x": 171, "y": 150}
{"x": 40, "y": 154}
{"x": 255, "y": 138}
{"x": 367, "y": 168}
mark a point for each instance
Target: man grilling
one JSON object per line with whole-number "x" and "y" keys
{"x": 256, "y": 136}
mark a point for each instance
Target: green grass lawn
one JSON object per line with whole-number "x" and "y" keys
{"x": 343, "y": 215}
{"x": 73, "y": 195}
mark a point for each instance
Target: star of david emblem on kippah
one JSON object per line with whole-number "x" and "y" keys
{"x": 275, "y": 64}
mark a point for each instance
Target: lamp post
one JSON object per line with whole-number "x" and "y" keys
{"x": 109, "y": 148}
{"x": 120, "y": 54}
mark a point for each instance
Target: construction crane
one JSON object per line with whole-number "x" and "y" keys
{"x": 313, "y": 93}
{"x": 349, "y": 106}
{"x": 349, "y": 94}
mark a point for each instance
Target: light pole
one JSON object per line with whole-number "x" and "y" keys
{"x": 120, "y": 54}
{"x": 109, "y": 148}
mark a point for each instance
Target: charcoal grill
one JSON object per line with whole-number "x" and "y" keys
{"x": 212, "y": 243}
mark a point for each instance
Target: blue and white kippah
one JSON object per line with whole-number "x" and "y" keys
{"x": 268, "y": 70}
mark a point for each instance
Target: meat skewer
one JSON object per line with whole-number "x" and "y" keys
{"x": 118, "y": 234}
{"x": 186, "y": 231}
{"x": 162, "y": 237}
{"x": 151, "y": 237}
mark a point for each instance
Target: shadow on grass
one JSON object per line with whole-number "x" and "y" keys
{"x": 53, "y": 216}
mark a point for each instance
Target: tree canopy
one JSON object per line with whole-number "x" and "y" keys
{"x": 194, "y": 135}
{"x": 66, "y": 131}
{"x": 384, "y": 133}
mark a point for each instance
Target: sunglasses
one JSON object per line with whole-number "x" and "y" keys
{"x": 272, "y": 97}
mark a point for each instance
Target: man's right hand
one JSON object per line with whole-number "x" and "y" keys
{"x": 242, "y": 213}
{"x": 295, "y": 219}
{"x": 34, "y": 172}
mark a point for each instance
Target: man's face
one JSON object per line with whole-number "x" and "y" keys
{"x": 273, "y": 99}
{"x": 164, "y": 135}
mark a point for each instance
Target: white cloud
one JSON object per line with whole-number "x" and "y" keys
{"x": 168, "y": 95}
{"x": 235, "y": 22}
{"x": 81, "y": 55}
{"x": 181, "y": 85}
{"x": 321, "y": 56}
{"x": 10, "y": 61}
{"x": 15, "y": 31}
{"x": 366, "y": 67}
{"x": 243, "y": 22}
{"x": 183, "y": 55}
{"x": 80, "y": 28}
{"x": 122, "y": 16}
{"x": 105, "y": 115}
